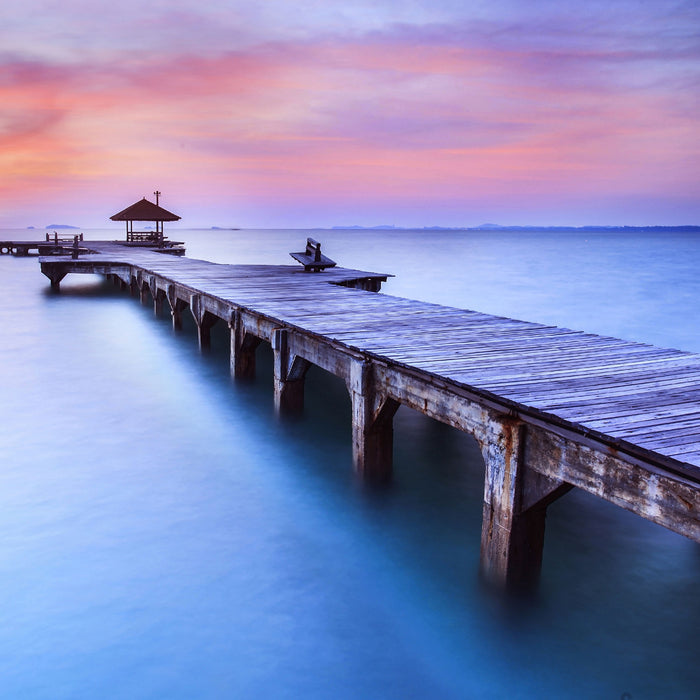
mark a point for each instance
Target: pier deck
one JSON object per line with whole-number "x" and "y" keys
{"x": 551, "y": 408}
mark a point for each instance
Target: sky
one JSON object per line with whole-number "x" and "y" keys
{"x": 266, "y": 113}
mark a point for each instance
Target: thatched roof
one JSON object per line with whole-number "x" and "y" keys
{"x": 145, "y": 211}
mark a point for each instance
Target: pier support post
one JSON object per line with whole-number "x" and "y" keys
{"x": 54, "y": 273}
{"x": 119, "y": 278}
{"x": 514, "y": 511}
{"x": 204, "y": 320}
{"x": 177, "y": 306}
{"x": 243, "y": 346}
{"x": 289, "y": 373}
{"x": 159, "y": 297}
{"x": 372, "y": 425}
{"x": 119, "y": 282}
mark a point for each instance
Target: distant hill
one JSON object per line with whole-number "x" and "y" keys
{"x": 60, "y": 226}
{"x": 373, "y": 228}
{"x": 564, "y": 229}
{"x": 498, "y": 227}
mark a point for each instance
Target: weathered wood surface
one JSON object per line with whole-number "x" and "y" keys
{"x": 628, "y": 392}
{"x": 550, "y": 407}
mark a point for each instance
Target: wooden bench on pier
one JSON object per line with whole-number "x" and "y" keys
{"x": 312, "y": 259}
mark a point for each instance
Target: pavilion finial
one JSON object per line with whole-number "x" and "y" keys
{"x": 157, "y": 193}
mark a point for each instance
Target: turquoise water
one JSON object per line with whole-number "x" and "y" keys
{"x": 162, "y": 535}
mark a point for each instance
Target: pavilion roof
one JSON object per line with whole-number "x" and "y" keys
{"x": 145, "y": 211}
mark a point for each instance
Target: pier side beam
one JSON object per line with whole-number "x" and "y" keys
{"x": 243, "y": 346}
{"x": 289, "y": 373}
{"x": 514, "y": 511}
{"x": 372, "y": 425}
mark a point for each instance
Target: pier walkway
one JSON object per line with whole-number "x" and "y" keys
{"x": 551, "y": 408}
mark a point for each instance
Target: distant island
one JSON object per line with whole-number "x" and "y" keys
{"x": 391, "y": 226}
{"x": 59, "y": 226}
{"x": 564, "y": 229}
{"x": 498, "y": 227}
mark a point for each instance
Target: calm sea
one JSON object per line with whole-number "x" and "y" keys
{"x": 162, "y": 535}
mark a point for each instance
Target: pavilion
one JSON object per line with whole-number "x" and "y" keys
{"x": 144, "y": 210}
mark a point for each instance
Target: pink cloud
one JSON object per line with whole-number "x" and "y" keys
{"x": 402, "y": 117}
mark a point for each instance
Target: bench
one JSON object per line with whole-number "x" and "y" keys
{"x": 312, "y": 259}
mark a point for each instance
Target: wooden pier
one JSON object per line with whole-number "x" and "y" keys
{"x": 551, "y": 408}
{"x": 50, "y": 245}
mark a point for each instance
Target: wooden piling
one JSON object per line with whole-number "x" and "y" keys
{"x": 177, "y": 306}
{"x": 289, "y": 372}
{"x": 204, "y": 320}
{"x": 243, "y": 346}
{"x": 55, "y": 272}
{"x": 515, "y": 508}
{"x": 159, "y": 297}
{"x": 372, "y": 424}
